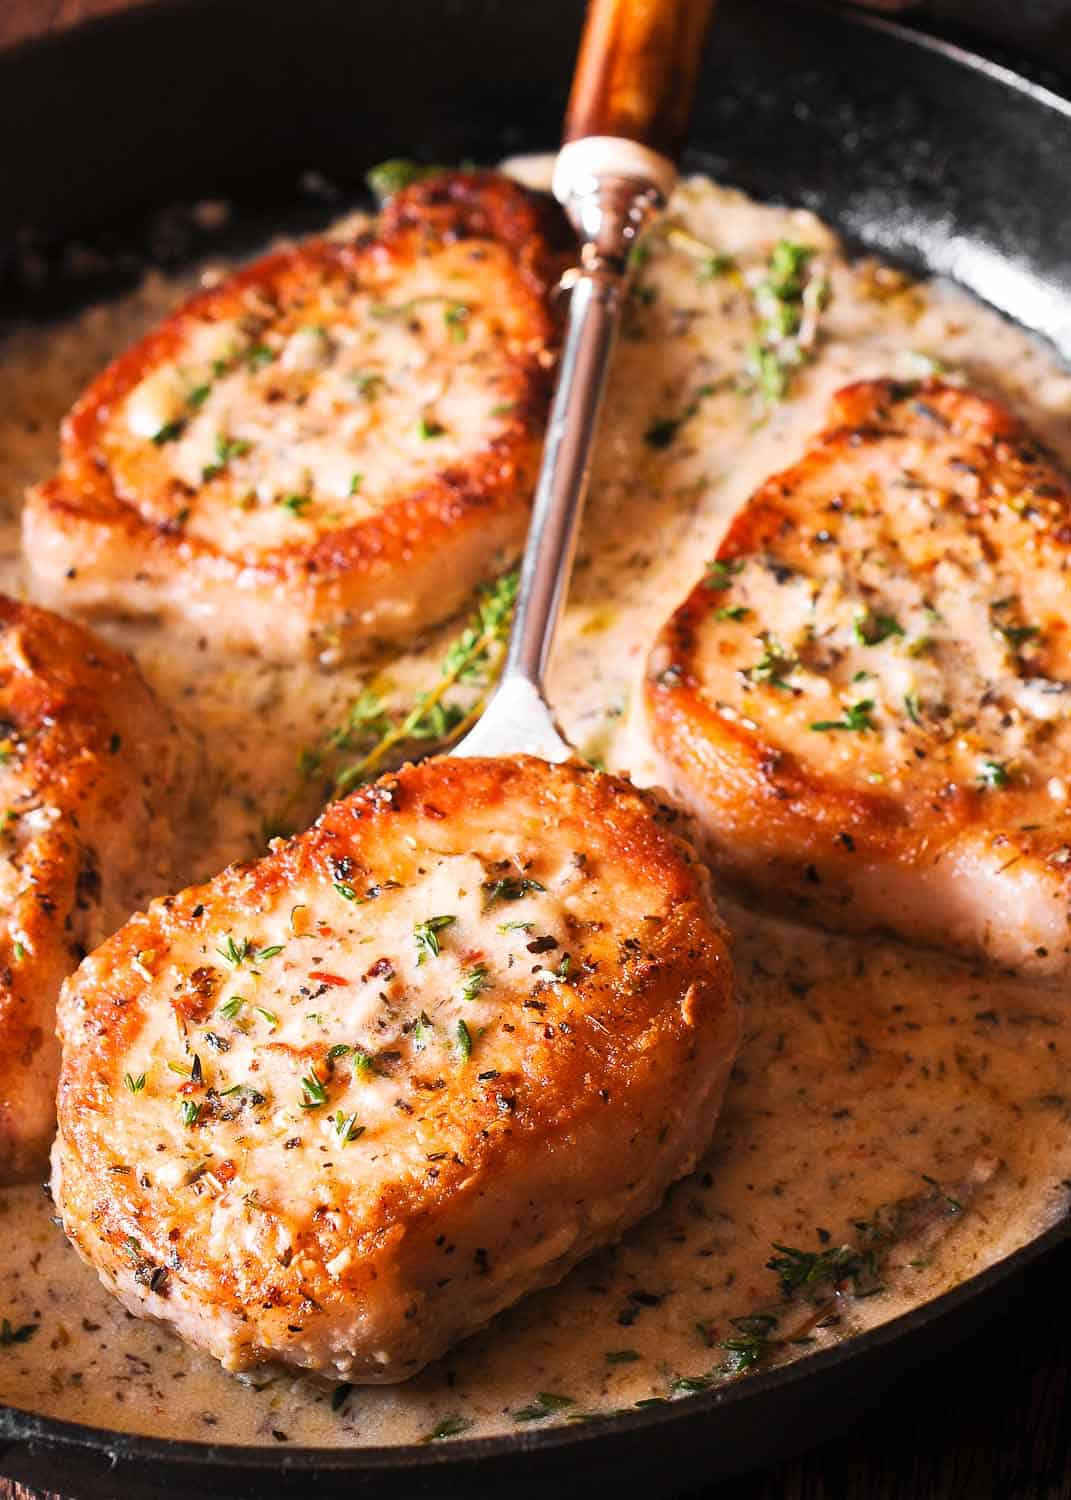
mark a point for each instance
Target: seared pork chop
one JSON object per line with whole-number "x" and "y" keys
{"x": 866, "y": 700}
{"x": 333, "y": 446}
{"x": 406, "y": 1068}
{"x": 92, "y": 770}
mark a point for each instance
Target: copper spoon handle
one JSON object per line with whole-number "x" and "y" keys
{"x": 636, "y": 72}
{"x": 638, "y": 63}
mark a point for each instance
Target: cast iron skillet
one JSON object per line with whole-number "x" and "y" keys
{"x": 928, "y": 154}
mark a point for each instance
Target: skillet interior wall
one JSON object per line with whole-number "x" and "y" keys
{"x": 901, "y": 148}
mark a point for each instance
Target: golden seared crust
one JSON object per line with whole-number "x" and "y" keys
{"x": 866, "y": 701}
{"x": 333, "y": 446}
{"x": 409, "y": 1066}
{"x": 90, "y": 770}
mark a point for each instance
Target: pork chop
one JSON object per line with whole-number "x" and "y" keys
{"x": 866, "y": 700}
{"x": 339, "y": 1107}
{"x": 92, "y": 772}
{"x": 332, "y": 447}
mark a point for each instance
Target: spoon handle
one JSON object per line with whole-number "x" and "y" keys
{"x": 636, "y": 72}
{"x": 638, "y": 58}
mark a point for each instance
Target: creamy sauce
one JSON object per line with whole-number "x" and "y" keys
{"x": 866, "y": 1067}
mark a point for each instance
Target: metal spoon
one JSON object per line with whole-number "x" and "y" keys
{"x": 627, "y": 116}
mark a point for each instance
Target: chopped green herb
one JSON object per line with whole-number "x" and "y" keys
{"x": 449, "y": 1427}
{"x": 235, "y": 953}
{"x": 190, "y": 1111}
{"x": 168, "y": 433}
{"x": 231, "y": 1007}
{"x": 297, "y": 505}
{"x": 474, "y": 983}
{"x": 856, "y": 718}
{"x": 363, "y": 1065}
{"x": 259, "y": 356}
{"x": 515, "y": 927}
{"x": 356, "y": 481}
{"x": 463, "y": 1041}
{"x": 992, "y": 774}
{"x": 870, "y": 629}
{"x": 268, "y": 1015}
{"x": 456, "y": 318}
{"x": 423, "y": 1031}
{"x": 732, "y": 612}
{"x": 430, "y": 428}
{"x": 262, "y": 955}
{"x": 911, "y": 704}
{"x": 19, "y": 950}
{"x": 199, "y": 395}
{"x": 313, "y": 1092}
{"x": 510, "y": 888}
{"x": 345, "y": 891}
{"x": 546, "y": 1404}
{"x": 426, "y": 935}
{"x": 135, "y": 1085}
{"x": 1018, "y": 635}
{"x": 226, "y": 449}
{"x": 774, "y": 666}
{"x": 347, "y": 1129}
{"x": 389, "y": 177}
{"x": 719, "y": 574}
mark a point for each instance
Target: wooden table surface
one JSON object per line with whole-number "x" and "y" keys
{"x": 986, "y": 1419}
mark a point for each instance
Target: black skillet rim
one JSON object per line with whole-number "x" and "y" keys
{"x": 19, "y": 1427}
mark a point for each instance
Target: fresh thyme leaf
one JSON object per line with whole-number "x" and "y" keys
{"x": 546, "y": 1404}
{"x": 313, "y": 1092}
{"x": 135, "y": 1085}
{"x": 190, "y": 1110}
{"x": 456, "y": 318}
{"x": 870, "y": 629}
{"x": 262, "y": 955}
{"x": 449, "y": 1427}
{"x": 426, "y": 935}
{"x": 472, "y": 657}
{"x": 774, "y": 665}
{"x": 992, "y": 774}
{"x": 347, "y": 1129}
{"x": 787, "y": 302}
{"x": 463, "y": 1041}
{"x": 719, "y": 575}
{"x": 510, "y": 888}
{"x": 389, "y": 177}
{"x": 856, "y": 718}
{"x": 1018, "y": 635}
{"x": 235, "y": 953}
{"x": 474, "y": 983}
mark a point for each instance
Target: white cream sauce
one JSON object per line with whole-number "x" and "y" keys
{"x": 865, "y": 1067}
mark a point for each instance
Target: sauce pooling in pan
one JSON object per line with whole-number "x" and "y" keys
{"x": 867, "y": 1067}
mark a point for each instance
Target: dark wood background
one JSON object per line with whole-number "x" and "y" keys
{"x": 990, "y": 1417}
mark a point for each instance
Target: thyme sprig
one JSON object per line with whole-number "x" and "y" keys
{"x": 437, "y": 718}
